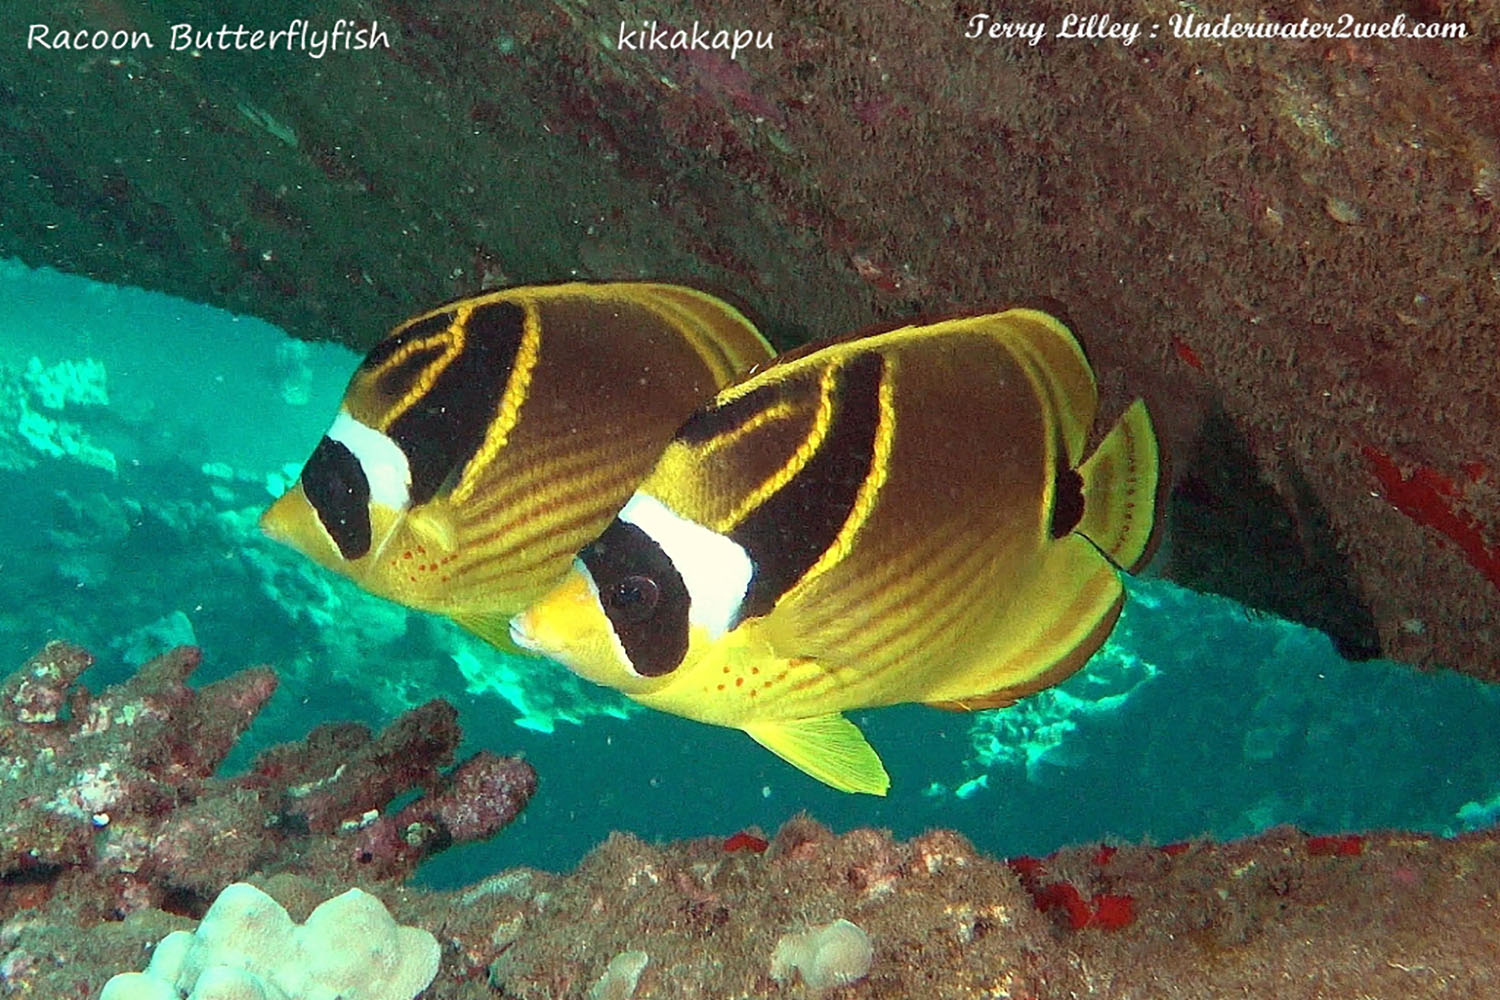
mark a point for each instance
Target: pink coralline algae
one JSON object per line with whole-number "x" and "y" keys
{"x": 112, "y": 801}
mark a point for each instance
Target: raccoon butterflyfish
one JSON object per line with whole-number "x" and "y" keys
{"x": 907, "y": 516}
{"x": 481, "y": 444}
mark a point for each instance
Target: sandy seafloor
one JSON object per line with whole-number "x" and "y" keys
{"x": 140, "y": 435}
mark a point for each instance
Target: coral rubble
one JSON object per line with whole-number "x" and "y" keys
{"x": 29, "y": 402}
{"x": 1280, "y": 914}
{"x": 111, "y": 802}
{"x": 806, "y": 912}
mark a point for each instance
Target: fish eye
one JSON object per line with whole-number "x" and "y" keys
{"x": 633, "y": 599}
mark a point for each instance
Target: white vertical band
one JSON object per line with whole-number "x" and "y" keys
{"x": 383, "y": 461}
{"x": 715, "y": 569}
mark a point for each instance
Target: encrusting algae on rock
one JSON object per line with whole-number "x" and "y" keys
{"x": 1350, "y": 915}
{"x": 114, "y": 801}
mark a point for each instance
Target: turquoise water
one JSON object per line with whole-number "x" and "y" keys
{"x": 140, "y": 436}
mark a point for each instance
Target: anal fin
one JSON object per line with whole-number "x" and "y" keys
{"x": 827, "y": 747}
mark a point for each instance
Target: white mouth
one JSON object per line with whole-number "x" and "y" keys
{"x": 519, "y": 636}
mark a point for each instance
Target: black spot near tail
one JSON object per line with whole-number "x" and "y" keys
{"x": 1067, "y": 500}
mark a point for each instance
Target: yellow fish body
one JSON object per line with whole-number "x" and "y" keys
{"x": 905, "y": 517}
{"x": 479, "y": 445}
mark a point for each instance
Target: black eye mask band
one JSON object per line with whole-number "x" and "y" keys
{"x": 631, "y": 571}
{"x": 336, "y": 487}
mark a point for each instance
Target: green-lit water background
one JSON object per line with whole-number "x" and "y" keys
{"x": 141, "y": 435}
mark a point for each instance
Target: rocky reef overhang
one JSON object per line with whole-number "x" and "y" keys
{"x": 1288, "y": 247}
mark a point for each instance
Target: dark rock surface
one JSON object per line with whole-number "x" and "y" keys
{"x": 1288, "y": 247}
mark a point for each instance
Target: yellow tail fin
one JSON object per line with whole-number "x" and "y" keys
{"x": 1119, "y": 489}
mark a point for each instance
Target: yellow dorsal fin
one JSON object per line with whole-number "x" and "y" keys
{"x": 828, "y": 747}
{"x": 1119, "y": 489}
{"x": 1051, "y": 352}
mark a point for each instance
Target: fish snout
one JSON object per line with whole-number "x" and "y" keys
{"x": 277, "y": 521}
{"x": 568, "y": 625}
{"x": 293, "y": 522}
{"x": 548, "y": 625}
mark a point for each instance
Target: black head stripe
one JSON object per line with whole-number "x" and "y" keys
{"x": 643, "y": 595}
{"x": 788, "y": 533}
{"x": 443, "y": 429}
{"x": 336, "y": 487}
{"x": 416, "y": 330}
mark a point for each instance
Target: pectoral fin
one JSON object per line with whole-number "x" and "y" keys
{"x": 828, "y": 747}
{"x": 433, "y": 527}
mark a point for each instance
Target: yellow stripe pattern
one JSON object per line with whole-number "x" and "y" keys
{"x": 771, "y": 414}
{"x": 450, "y": 339}
{"x": 822, "y": 420}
